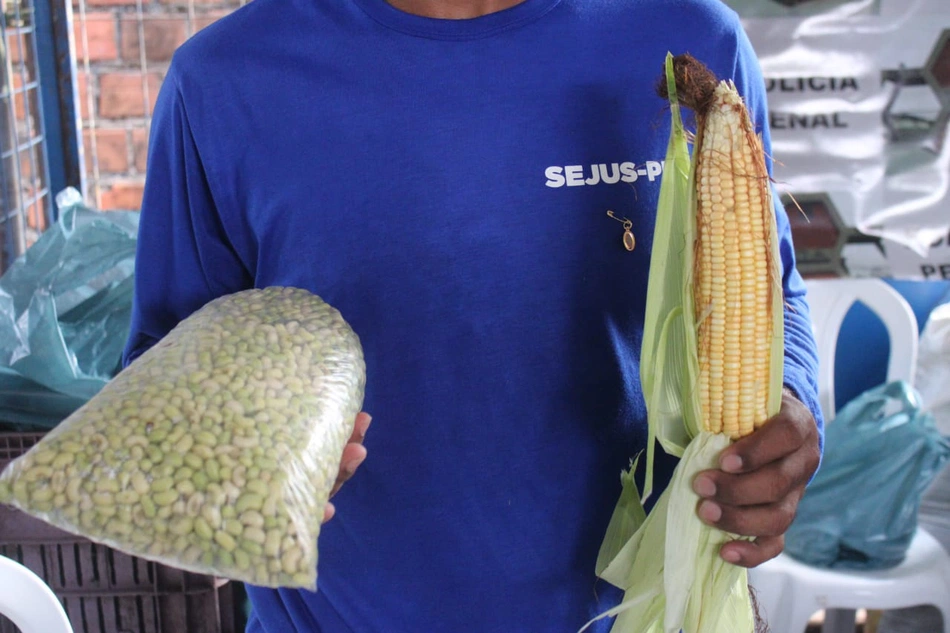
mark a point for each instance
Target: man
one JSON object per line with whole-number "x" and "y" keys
{"x": 440, "y": 172}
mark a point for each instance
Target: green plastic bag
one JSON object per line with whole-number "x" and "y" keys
{"x": 65, "y": 312}
{"x": 882, "y": 451}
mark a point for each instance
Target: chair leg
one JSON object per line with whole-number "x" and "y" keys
{"x": 839, "y": 621}
{"x": 944, "y": 609}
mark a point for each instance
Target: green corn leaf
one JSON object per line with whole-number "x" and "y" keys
{"x": 670, "y": 569}
{"x": 698, "y": 583}
{"x": 627, "y": 518}
{"x": 668, "y": 331}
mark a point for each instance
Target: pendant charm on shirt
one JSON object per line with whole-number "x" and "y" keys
{"x": 629, "y": 241}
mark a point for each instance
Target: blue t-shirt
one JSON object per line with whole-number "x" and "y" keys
{"x": 445, "y": 184}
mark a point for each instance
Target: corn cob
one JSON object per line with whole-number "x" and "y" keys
{"x": 735, "y": 267}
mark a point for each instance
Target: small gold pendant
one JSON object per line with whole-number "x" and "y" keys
{"x": 629, "y": 241}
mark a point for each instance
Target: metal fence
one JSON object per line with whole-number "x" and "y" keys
{"x": 24, "y": 191}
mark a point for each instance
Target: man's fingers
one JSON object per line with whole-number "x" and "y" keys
{"x": 765, "y": 520}
{"x": 359, "y": 428}
{"x": 770, "y": 484}
{"x": 760, "y": 480}
{"x": 353, "y": 456}
{"x": 328, "y": 511}
{"x": 752, "y": 553}
{"x": 780, "y": 436}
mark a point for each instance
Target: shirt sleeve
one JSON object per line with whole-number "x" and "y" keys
{"x": 183, "y": 256}
{"x": 801, "y": 353}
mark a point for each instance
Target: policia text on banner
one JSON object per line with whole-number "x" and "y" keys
{"x": 811, "y": 121}
{"x": 786, "y": 121}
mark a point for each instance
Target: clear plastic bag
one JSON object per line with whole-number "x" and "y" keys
{"x": 931, "y": 378}
{"x": 65, "y": 309}
{"x": 882, "y": 451}
{"x": 933, "y": 366}
{"x": 215, "y": 451}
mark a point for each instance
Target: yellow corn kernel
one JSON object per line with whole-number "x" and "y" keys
{"x": 734, "y": 268}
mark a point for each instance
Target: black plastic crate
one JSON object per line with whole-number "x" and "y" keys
{"x": 106, "y": 591}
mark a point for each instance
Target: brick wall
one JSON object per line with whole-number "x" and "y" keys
{"x": 121, "y": 65}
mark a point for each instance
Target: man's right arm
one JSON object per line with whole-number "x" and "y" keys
{"x": 184, "y": 258}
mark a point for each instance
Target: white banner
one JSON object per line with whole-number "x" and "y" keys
{"x": 859, "y": 98}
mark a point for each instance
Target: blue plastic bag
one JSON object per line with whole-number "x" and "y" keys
{"x": 65, "y": 312}
{"x": 882, "y": 451}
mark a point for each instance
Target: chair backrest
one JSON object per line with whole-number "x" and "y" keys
{"x": 831, "y": 299}
{"x": 29, "y": 602}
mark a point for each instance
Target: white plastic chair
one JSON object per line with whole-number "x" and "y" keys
{"x": 29, "y": 602}
{"x": 790, "y": 592}
{"x": 830, "y": 300}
